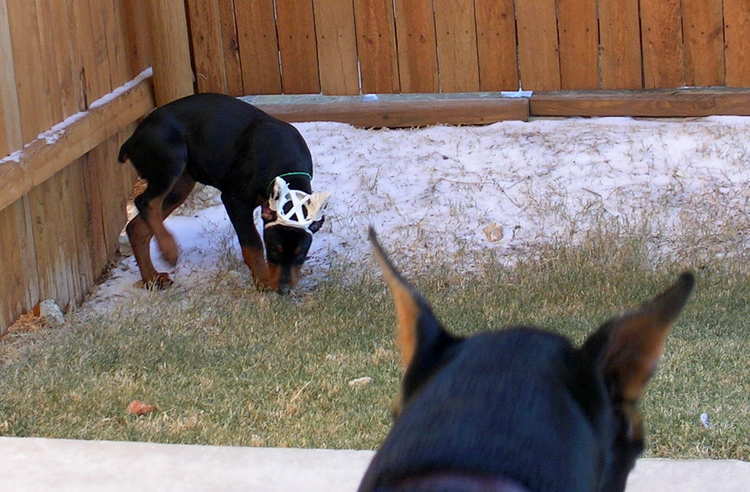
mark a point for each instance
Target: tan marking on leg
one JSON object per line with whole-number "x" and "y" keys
{"x": 139, "y": 235}
{"x": 255, "y": 260}
{"x": 165, "y": 240}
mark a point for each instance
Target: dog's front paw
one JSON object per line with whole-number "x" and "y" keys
{"x": 160, "y": 281}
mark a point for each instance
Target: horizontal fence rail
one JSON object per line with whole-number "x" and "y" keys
{"x": 340, "y": 47}
{"x": 70, "y": 93}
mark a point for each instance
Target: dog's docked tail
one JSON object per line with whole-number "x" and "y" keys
{"x": 123, "y": 155}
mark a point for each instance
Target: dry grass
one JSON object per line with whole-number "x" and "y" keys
{"x": 227, "y": 365}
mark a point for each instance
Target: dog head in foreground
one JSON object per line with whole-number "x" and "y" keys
{"x": 519, "y": 409}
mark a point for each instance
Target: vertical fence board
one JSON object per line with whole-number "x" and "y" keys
{"x": 10, "y": 118}
{"x": 36, "y": 114}
{"x": 80, "y": 255}
{"x": 496, "y": 45}
{"x": 299, "y": 57}
{"x": 19, "y": 289}
{"x": 230, "y": 48}
{"x": 138, "y": 35}
{"x": 259, "y": 49}
{"x": 455, "y": 32}
{"x": 703, "y": 29}
{"x": 620, "y": 42}
{"x": 52, "y": 94}
{"x": 579, "y": 44}
{"x": 206, "y": 41}
{"x": 417, "y": 50}
{"x": 736, "y": 34}
{"x": 538, "y": 50}
{"x": 661, "y": 32}
{"x": 68, "y": 63}
{"x": 337, "y": 46}
{"x": 117, "y": 41}
{"x": 376, "y": 45}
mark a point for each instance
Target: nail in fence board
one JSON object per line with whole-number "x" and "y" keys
{"x": 455, "y": 31}
{"x": 703, "y": 30}
{"x": 376, "y": 45}
{"x": 579, "y": 44}
{"x": 337, "y": 46}
{"x": 299, "y": 58}
{"x": 417, "y": 50}
{"x": 259, "y": 49}
{"x": 538, "y": 50}
{"x": 496, "y": 45}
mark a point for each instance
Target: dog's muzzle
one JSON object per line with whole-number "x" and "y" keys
{"x": 295, "y": 208}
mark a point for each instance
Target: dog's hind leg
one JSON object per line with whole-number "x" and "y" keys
{"x": 140, "y": 233}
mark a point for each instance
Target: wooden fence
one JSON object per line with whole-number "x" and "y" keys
{"x": 387, "y": 46}
{"x": 62, "y": 194}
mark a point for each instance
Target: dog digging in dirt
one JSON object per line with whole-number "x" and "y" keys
{"x": 254, "y": 159}
{"x": 520, "y": 409}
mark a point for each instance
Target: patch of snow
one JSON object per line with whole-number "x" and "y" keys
{"x": 443, "y": 191}
{"x": 12, "y": 157}
{"x": 122, "y": 89}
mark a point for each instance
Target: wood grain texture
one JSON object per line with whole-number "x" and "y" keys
{"x": 173, "y": 74}
{"x": 138, "y": 34}
{"x": 579, "y": 44}
{"x": 736, "y": 35}
{"x": 19, "y": 289}
{"x": 538, "y": 49}
{"x": 299, "y": 58}
{"x": 41, "y": 160}
{"x": 10, "y": 118}
{"x": 620, "y": 45}
{"x": 661, "y": 32}
{"x": 35, "y": 113}
{"x": 406, "y": 113}
{"x": 455, "y": 33}
{"x": 376, "y": 45}
{"x": 259, "y": 48}
{"x": 337, "y": 46}
{"x": 417, "y": 49}
{"x": 703, "y": 30}
{"x": 230, "y": 48}
{"x": 206, "y": 42}
{"x": 496, "y": 45}
{"x": 655, "y": 103}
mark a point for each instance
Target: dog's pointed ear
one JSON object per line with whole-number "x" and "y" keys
{"x": 418, "y": 332}
{"x": 318, "y": 202}
{"x": 627, "y": 349}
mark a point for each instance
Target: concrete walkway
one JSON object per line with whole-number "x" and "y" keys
{"x": 32, "y": 464}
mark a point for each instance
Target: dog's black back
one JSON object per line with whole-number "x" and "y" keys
{"x": 228, "y": 144}
{"x": 518, "y": 409}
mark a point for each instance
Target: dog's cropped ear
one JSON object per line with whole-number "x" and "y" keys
{"x": 418, "y": 332}
{"x": 627, "y": 349}
{"x": 267, "y": 213}
{"x": 318, "y": 202}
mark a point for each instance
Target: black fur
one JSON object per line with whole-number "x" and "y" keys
{"x": 223, "y": 142}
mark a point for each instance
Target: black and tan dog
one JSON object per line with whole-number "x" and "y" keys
{"x": 519, "y": 409}
{"x": 251, "y": 157}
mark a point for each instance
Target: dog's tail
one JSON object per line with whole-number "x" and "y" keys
{"x": 123, "y": 155}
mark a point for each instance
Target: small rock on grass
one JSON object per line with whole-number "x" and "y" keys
{"x": 360, "y": 381}
{"x": 137, "y": 407}
{"x": 51, "y": 313}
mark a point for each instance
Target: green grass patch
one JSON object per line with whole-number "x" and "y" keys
{"x": 226, "y": 365}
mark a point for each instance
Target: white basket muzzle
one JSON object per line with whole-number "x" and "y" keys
{"x": 295, "y": 208}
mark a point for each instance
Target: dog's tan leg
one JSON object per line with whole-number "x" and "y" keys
{"x": 140, "y": 233}
{"x": 256, "y": 262}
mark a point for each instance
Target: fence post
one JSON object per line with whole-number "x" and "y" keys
{"x": 173, "y": 73}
